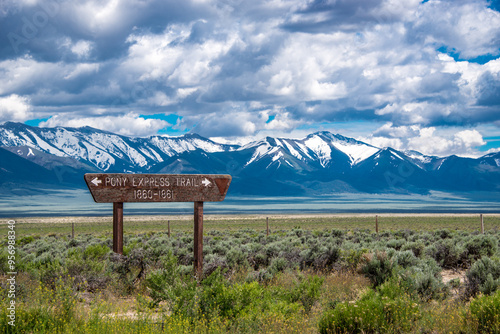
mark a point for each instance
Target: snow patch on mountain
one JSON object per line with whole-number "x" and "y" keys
{"x": 320, "y": 148}
{"x": 98, "y": 158}
{"x": 151, "y": 153}
{"x": 277, "y": 156}
{"x": 207, "y": 146}
{"x": 356, "y": 152}
{"x": 278, "y": 142}
{"x": 261, "y": 150}
{"x": 293, "y": 151}
{"x": 422, "y": 158}
{"x": 45, "y": 146}
{"x": 396, "y": 155}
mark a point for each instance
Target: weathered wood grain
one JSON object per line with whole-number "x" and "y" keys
{"x": 112, "y": 188}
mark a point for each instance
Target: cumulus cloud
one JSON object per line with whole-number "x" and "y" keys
{"x": 462, "y": 143}
{"x": 15, "y": 108}
{"x": 470, "y": 29}
{"x": 418, "y": 65}
{"x": 428, "y": 140}
{"x": 130, "y": 124}
{"x": 225, "y": 125}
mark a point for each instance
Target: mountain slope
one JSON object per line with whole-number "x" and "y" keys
{"x": 321, "y": 163}
{"x": 104, "y": 150}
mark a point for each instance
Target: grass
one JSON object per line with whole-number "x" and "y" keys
{"x": 134, "y": 225}
{"x": 307, "y": 274}
{"x": 61, "y": 310}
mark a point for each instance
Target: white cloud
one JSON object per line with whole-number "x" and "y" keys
{"x": 466, "y": 139}
{"x": 306, "y": 68}
{"x": 82, "y": 48}
{"x": 428, "y": 140}
{"x": 388, "y": 130}
{"x": 468, "y": 27}
{"x": 130, "y": 124}
{"x": 235, "y": 123}
{"x": 305, "y": 62}
{"x": 395, "y": 143}
{"x": 81, "y": 69}
{"x": 15, "y": 108}
{"x": 281, "y": 121}
{"x": 169, "y": 57}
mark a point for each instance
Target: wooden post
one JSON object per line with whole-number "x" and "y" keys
{"x": 72, "y": 230}
{"x": 376, "y": 223}
{"x": 482, "y": 223}
{"x": 198, "y": 239}
{"x": 168, "y": 223}
{"x": 267, "y": 226}
{"x": 118, "y": 227}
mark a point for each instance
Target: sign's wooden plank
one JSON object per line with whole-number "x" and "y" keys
{"x": 112, "y": 188}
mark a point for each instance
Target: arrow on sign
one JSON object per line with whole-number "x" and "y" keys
{"x": 96, "y": 181}
{"x": 206, "y": 182}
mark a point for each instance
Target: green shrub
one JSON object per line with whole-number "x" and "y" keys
{"x": 49, "y": 310}
{"x": 329, "y": 258}
{"x": 236, "y": 258}
{"x": 4, "y": 261}
{"x": 96, "y": 251}
{"x": 383, "y": 311}
{"x": 485, "y": 311}
{"x": 307, "y": 292}
{"x": 351, "y": 259}
{"x": 88, "y": 267}
{"x": 490, "y": 285}
{"x": 395, "y": 243}
{"x": 277, "y": 265}
{"x": 169, "y": 285}
{"x": 450, "y": 255}
{"x": 417, "y": 247}
{"x": 483, "y": 276}
{"x": 424, "y": 284}
{"x": 218, "y": 298}
{"x": 259, "y": 260}
{"x": 443, "y": 234}
{"x": 379, "y": 268}
{"x": 481, "y": 245}
{"x": 336, "y": 233}
{"x": 406, "y": 259}
{"x": 25, "y": 240}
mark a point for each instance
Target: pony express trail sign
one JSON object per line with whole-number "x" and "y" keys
{"x": 120, "y": 188}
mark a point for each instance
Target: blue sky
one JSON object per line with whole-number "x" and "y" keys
{"x": 410, "y": 75}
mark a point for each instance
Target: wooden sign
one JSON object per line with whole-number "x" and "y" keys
{"x": 112, "y": 188}
{"x": 120, "y": 188}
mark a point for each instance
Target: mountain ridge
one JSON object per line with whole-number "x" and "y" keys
{"x": 321, "y": 163}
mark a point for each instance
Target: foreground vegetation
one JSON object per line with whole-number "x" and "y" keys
{"x": 297, "y": 280}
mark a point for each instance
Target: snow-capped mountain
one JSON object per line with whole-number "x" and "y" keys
{"x": 321, "y": 163}
{"x": 321, "y": 147}
{"x": 104, "y": 150}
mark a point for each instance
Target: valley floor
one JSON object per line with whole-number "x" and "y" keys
{"x": 313, "y": 273}
{"x": 184, "y": 223}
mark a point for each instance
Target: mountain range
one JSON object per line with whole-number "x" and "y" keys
{"x": 321, "y": 163}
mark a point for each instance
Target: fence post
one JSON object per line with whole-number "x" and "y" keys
{"x": 168, "y": 223}
{"x": 267, "y": 226}
{"x": 376, "y": 223}
{"x": 72, "y": 230}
